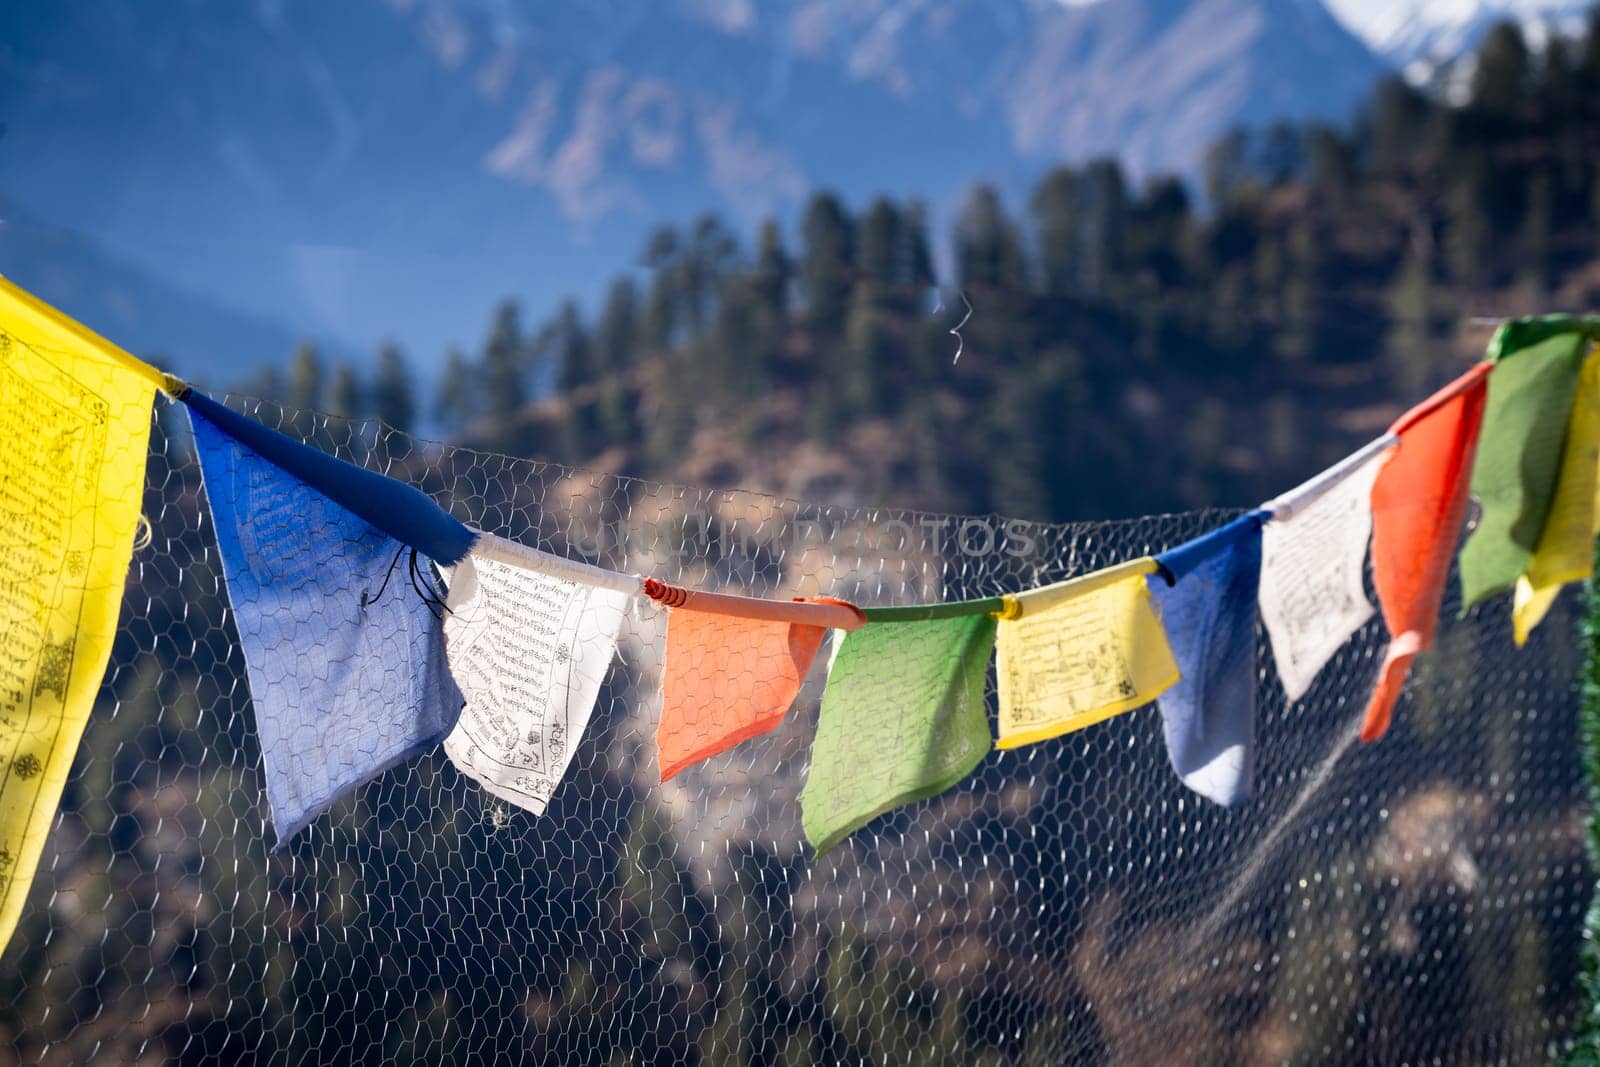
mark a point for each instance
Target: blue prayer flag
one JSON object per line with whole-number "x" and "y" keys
{"x": 345, "y": 659}
{"x": 1209, "y": 611}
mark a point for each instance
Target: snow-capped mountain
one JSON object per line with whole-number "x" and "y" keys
{"x": 1418, "y": 35}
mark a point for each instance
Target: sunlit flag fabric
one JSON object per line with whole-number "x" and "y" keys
{"x": 1209, "y": 612}
{"x": 1313, "y": 566}
{"x": 902, "y": 719}
{"x": 727, "y": 679}
{"x": 345, "y": 657}
{"x": 76, "y": 412}
{"x": 1518, "y": 459}
{"x": 399, "y": 510}
{"x": 1081, "y": 651}
{"x": 1418, "y": 501}
{"x": 531, "y": 637}
{"x": 1566, "y": 547}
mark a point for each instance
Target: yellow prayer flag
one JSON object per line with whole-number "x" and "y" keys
{"x": 75, "y": 413}
{"x": 1565, "y": 552}
{"x": 1082, "y": 651}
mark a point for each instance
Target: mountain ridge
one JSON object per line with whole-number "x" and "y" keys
{"x": 394, "y": 167}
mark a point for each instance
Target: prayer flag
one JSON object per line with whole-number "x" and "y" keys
{"x": 1566, "y": 547}
{"x": 727, "y": 679}
{"x": 1518, "y": 460}
{"x": 1209, "y": 613}
{"x": 76, "y": 413}
{"x": 1418, "y": 501}
{"x": 1081, "y": 651}
{"x": 345, "y": 657}
{"x": 902, "y": 719}
{"x": 530, "y": 638}
{"x": 1313, "y": 567}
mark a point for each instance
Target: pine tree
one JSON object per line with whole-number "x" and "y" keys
{"x": 774, "y": 272}
{"x": 988, "y": 249}
{"x": 919, "y": 258}
{"x": 865, "y": 373}
{"x": 345, "y": 399}
{"x": 574, "y": 368}
{"x": 738, "y": 355}
{"x": 392, "y": 399}
{"x": 457, "y": 402}
{"x": 1407, "y": 346}
{"x": 826, "y": 262}
{"x": 1105, "y": 196}
{"x": 345, "y": 396}
{"x": 1330, "y": 162}
{"x": 1537, "y": 237}
{"x": 1302, "y": 284}
{"x": 504, "y": 361}
{"x": 1503, "y": 76}
{"x": 1225, "y": 167}
{"x": 616, "y": 336}
{"x": 711, "y": 253}
{"x": 661, "y": 317}
{"x": 1158, "y": 232}
{"x": 881, "y": 244}
{"x": 1588, "y": 60}
{"x": 1282, "y": 153}
{"x": 1397, "y": 116}
{"x": 306, "y": 385}
{"x": 1057, "y": 214}
{"x": 1469, "y": 232}
{"x": 565, "y": 343}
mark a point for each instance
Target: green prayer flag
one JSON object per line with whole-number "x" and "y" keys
{"x": 1519, "y": 456}
{"x": 903, "y": 718}
{"x": 1516, "y": 334}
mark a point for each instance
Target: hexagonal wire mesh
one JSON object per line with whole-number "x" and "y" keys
{"x": 1415, "y": 900}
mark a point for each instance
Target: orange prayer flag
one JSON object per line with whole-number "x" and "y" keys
{"x": 1418, "y": 502}
{"x": 728, "y": 679}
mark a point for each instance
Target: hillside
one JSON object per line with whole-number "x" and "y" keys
{"x": 1126, "y": 353}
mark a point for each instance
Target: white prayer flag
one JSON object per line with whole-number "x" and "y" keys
{"x": 529, "y": 643}
{"x": 1313, "y": 561}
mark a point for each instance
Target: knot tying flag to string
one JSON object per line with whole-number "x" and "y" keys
{"x": 668, "y": 595}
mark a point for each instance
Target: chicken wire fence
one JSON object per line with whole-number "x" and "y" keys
{"x": 1418, "y": 900}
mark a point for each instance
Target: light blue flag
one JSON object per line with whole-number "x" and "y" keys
{"x": 1205, "y": 593}
{"x": 345, "y": 659}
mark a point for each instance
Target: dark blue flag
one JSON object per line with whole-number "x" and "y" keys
{"x": 1206, "y": 596}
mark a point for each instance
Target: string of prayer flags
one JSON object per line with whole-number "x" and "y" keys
{"x": 1313, "y": 566}
{"x": 1205, "y": 593}
{"x": 902, "y": 719}
{"x": 1000, "y": 606}
{"x": 820, "y": 611}
{"x": 1566, "y": 547}
{"x": 344, "y": 655}
{"x": 1079, "y": 652}
{"x": 530, "y": 638}
{"x": 727, "y": 679}
{"x": 77, "y": 415}
{"x": 1518, "y": 459}
{"x": 1418, "y": 501}
{"x": 402, "y": 512}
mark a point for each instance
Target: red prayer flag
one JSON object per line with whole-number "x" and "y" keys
{"x": 1418, "y": 502}
{"x": 727, "y": 679}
